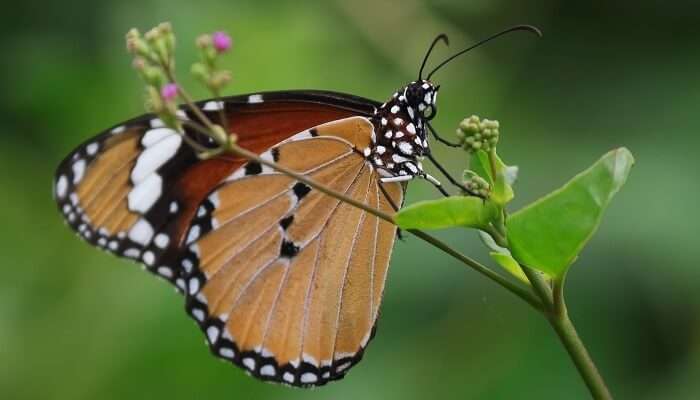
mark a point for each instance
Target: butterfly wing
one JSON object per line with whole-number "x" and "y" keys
{"x": 285, "y": 281}
{"x": 134, "y": 189}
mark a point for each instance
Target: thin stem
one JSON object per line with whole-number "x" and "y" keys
{"x": 237, "y": 150}
{"x": 579, "y": 355}
{"x": 519, "y": 291}
{"x": 540, "y": 286}
{"x": 558, "y": 317}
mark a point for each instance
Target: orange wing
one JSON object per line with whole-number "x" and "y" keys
{"x": 285, "y": 281}
{"x": 134, "y": 189}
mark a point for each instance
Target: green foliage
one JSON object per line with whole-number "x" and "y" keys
{"x": 502, "y": 191}
{"x": 457, "y": 211}
{"x": 509, "y": 264}
{"x": 548, "y": 234}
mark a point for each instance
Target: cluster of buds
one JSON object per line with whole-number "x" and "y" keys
{"x": 154, "y": 60}
{"x": 476, "y": 184}
{"x": 476, "y": 134}
{"x": 210, "y": 48}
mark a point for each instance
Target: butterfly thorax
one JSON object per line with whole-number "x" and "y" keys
{"x": 400, "y": 142}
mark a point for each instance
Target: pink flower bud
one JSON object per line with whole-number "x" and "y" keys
{"x": 221, "y": 41}
{"x": 169, "y": 91}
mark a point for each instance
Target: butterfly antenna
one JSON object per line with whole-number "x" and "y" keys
{"x": 527, "y": 28}
{"x": 440, "y": 37}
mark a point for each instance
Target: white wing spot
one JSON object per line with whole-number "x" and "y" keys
{"x": 193, "y": 234}
{"x": 157, "y": 123}
{"x": 132, "y": 253}
{"x": 145, "y": 194}
{"x": 308, "y": 377}
{"x": 226, "y": 352}
{"x": 165, "y": 271}
{"x": 255, "y": 98}
{"x": 249, "y": 363}
{"x": 154, "y": 136}
{"x": 141, "y": 232}
{"x": 92, "y": 148}
{"x": 267, "y": 370}
{"x": 212, "y": 334}
{"x": 161, "y": 240}
{"x": 154, "y": 157}
{"x": 194, "y": 286}
{"x": 78, "y": 171}
{"x": 149, "y": 258}
{"x": 61, "y": 186}
{"x": 213, "y": 106}
{"x": 197, "y": 312}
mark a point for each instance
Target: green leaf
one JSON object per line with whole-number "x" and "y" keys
{"x": 548, "y": 234}
{"x": 501, "y": 190}
{"x": 510, "y": 265}
{"x": 455, "y": 211}
{"x": 479, "y": 163}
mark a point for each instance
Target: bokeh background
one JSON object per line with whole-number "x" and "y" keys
{"x": 76, "y": 323}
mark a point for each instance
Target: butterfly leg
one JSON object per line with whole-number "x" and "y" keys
{"x": 439, "y": 139}
{"x": 448, "y": 176}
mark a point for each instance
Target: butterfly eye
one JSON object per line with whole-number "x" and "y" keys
{"x": 430, "y": 112}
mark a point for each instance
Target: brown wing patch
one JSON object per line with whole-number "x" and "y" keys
{"x": 356, "y": 130}
{"x": 337, "y": 242}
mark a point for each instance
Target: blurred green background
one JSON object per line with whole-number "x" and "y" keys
{"x": 76, "y": 323}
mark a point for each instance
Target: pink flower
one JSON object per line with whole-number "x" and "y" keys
{"x": 221, "y": 41}
{"x": 169, "y": 91}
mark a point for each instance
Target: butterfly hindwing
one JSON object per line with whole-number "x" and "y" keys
{"x": 284, "y": 280}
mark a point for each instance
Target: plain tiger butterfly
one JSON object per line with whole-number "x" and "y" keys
{"x": 284, "y": 281}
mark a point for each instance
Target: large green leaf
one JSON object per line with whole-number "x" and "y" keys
{"x": 549, "y": 234}
{"x": 456, "y": 211}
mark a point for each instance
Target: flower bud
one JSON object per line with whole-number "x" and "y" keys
{"x": 169, "y": 92}
{"x": 203, "y": 41}
{"x": 476, "y": 184}
{"x": 219, "y": 79}
{"x": 476, "y": 134}
{"x": 221, "y": 41}
{"x": 201, "y": 72}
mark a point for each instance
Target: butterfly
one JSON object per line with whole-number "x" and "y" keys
{"x": 285, "y": 281}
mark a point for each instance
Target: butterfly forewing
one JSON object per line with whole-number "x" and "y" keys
{"x": 287, "y": 283}
{"x": 135, "y": 189}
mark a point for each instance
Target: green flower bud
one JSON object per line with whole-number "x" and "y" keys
{"x": 476, "y": 184}
{"x": 154, "y": 103}
{"x": 201, "y": 72}
{"x": 476, "y": 134}
{"x": 203, "y": 41}
{"x": 153, "y": 76}
{"x": 219, "y": 79}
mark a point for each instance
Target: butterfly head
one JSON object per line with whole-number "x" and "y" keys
{"x": 400, "y": 140}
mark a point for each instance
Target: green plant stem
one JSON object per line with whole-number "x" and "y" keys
{"x": 558, "y": 317}
{"x": 519, "y": 291}
{"x": 579, "y": 355}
